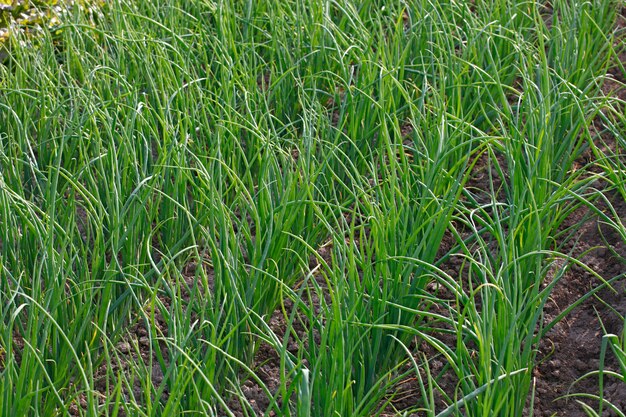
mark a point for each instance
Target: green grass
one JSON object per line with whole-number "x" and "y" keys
{"x": 316, "y": 161}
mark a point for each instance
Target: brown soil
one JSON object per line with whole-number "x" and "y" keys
{"x": 572, "y": 348}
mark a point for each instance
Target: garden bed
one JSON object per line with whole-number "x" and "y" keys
{"x": 314, "y": 209}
